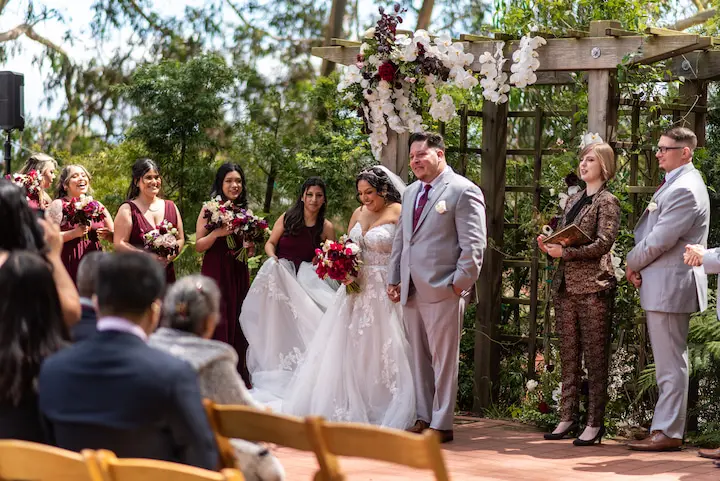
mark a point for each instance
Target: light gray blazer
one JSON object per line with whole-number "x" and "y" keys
{"x": 448, "y": 243}
{"x": 682, "y": 217}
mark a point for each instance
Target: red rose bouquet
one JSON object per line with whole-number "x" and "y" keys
{"x": 30, "y": 182}
{"x": 163, "y": 240}
{"x": 83, "y": 210}
{"x": 242, "y": 221}
{"x": 340, "y": 261}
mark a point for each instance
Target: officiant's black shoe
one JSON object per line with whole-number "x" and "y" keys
{"x": 419, "y": 427}
{"x": 572, "y": 430}
{"x": 444, "y": 435}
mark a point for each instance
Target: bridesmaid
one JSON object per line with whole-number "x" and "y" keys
{"x": 74, "y": 181}
{"x": 45, "y": 166}
{"x": 299, "y": 231}
{"x": 220, "y": 263}
{"x": 144, "y": 210}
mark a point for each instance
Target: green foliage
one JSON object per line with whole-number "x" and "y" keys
{"x": 180, "y": 122}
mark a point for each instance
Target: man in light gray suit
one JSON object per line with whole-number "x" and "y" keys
{"x": 670, "y": 290}
{"x": 436, "y": 259}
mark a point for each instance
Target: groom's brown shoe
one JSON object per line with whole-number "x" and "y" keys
{"x": 444, "y": 435}
{"x": 419, "y": 427}
{"x": 709, "y": 453}
{"x": 657, "y": 441}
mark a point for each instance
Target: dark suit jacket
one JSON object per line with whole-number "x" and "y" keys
{"x": 588, "y": 268}
{"x": 86, "y": 327}
{"x": 113, "y": 391}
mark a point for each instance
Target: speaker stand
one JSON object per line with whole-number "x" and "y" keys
{"x": 8, "y": 151}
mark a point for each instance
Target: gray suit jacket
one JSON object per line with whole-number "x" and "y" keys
{"x": 682, "y": 217}
{"x": 448, "y": 243}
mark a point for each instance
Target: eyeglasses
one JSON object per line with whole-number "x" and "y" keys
{"x": 663, "y": 149}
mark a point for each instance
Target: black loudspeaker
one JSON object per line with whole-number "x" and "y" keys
{"x": 12, "y": 101}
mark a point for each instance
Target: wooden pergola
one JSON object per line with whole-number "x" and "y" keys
{"x": 597, "y": 52}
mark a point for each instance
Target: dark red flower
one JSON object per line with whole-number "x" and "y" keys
{"x": 387, "y": 72}
{"x": 543, "y": 407}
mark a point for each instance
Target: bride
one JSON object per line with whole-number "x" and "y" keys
{"x": 357, "y": 367}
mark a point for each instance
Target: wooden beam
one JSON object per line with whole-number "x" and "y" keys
{"x": 344, "y": 43}
{"x": 577, "y": 33}
{"x": 664, "y": 31}
{"x": 467, "y": 37}
{"x": 601, "y": 115}
{"x": 697, "y": 65}
{"x": 566, "y": 54}
{"x": 396, "y": 154}
{"x": 617, "y": 32}
{"x": 694, "y": 92}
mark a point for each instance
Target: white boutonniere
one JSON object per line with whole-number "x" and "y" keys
{"x": 440, "y": 207}
{"x": 652, "y": 206}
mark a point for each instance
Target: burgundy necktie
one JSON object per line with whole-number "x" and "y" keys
{"x": 421, "y": 205}
{"x": 661, "y": 184}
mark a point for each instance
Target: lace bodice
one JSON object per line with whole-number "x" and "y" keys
{"x": 376, "y": 244}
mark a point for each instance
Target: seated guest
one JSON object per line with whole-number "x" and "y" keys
{"x": 112, "y": 391}
{"x": 191, "y": 310}
{"x": 86, "y": 275}
{"x": 32, "y": 329}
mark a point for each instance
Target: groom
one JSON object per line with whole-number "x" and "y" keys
{"x": 436, "y": 258}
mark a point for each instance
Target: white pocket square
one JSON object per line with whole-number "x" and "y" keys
{"x": 440, "y": 207}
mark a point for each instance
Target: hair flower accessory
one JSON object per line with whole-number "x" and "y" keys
{"x": 589, "y": 139}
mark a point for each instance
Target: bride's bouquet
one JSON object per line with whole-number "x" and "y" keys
{"x": 242, "y": 221}
{"x": 340, "y": 261}
{"x": 83, "y": 210}
{"x": 163, "y": 240}
{"x": 30, "y": 182}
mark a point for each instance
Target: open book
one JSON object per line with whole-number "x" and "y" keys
{"x": 569, "y": 236}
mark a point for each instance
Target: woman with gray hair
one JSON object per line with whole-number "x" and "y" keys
{"x": 191, "y": 311}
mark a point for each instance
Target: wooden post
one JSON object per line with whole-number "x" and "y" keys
{"x": 602, "y": 109}
{"x": 694, "y": 92}
{"x": 396, "y": 153}
{"x": 489, "y": 286}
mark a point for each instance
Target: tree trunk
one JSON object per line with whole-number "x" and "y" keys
{"x": 334, "y": 29}
{"x": 183, "y": 148}
{"x": 270, "y": 186}
{"x": 425, "y": 14}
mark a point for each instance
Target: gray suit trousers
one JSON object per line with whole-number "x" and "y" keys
{"x": 433, "y": 331}
{"x": 668, "y": 336}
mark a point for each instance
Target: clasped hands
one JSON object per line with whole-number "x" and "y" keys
{"x": 693, "y": 255}
{"x": 393, "y": 292}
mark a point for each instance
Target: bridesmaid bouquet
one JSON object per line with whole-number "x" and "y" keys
{"x": 163, "y": 240}
{"x": 83, "y": 211}
{"x": 30, "y": 182}
{"x": 242, "y": 221}
{"x": 340, "y": 261}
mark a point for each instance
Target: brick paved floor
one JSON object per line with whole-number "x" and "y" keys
{"x": 486, "y": 449}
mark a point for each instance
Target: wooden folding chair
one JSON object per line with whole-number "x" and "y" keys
{"x": 39, "y": 462}
{"x": 243, "y": 422}
{"x": 114, "y": 469}
{"x": 421, "y": 451}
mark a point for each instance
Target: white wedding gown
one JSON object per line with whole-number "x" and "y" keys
{"x": 357, "y": 367}
{"x": 279, "y": 318}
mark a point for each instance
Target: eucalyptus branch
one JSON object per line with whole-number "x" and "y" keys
{"x": 137, "y": 9}
{"x": 277, "y": 38}
{"x": 28, "y": 31}
{"x": 697, "y": 19}
{"x": 699, "y": 5}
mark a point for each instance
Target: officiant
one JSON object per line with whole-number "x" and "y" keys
{"x": 583, "y": 289}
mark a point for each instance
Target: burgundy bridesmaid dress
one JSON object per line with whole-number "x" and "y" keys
{"x": 140, "y": 226}
{"x": 74, "y": 249}
{"x": 298, "y": 248}
{"x": 233, "y": 278}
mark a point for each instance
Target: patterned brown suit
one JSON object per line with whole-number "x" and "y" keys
{"x": 583, "y": 292}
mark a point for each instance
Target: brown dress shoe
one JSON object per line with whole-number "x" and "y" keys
{"x": 445, "y": 435}
{"x": 419, "y": 427}
{"x": 657, "y": 441}
{"x": 709, "y": 453}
